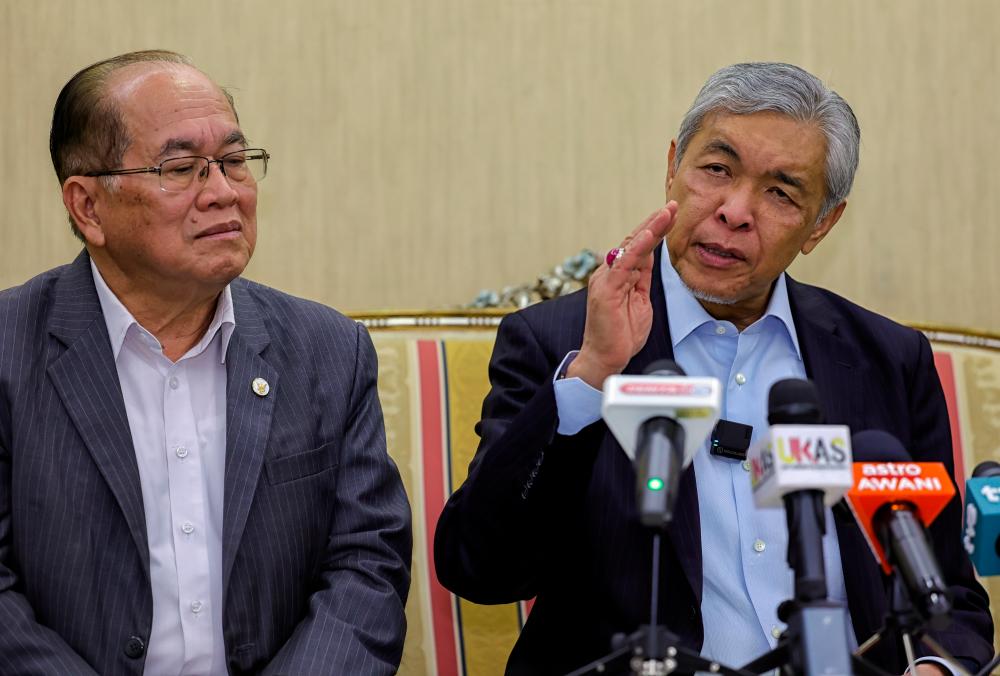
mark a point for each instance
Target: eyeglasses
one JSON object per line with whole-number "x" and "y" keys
{"x": 176, "y": 174}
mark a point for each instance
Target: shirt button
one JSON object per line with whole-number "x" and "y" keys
{"x": 134, "y": 647}
{"x": 746, "y": 465}
{"x": 721, "y": 330}
{"x": 188, "y": 528}
{"x": 776, "y": 632}
{"x": 759, "y": 546}
{"x": 174, "y": 383}
{"x": 196, "y": 606}
{"x": 181, "y": 451}
{"x": 741, "y": 379}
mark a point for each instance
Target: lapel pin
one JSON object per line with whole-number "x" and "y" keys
{"x": 260, "y": 387}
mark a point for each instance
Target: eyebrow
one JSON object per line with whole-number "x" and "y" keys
{"x": 726, "y": 149}
{"x": 172, "y": 145}
{"x": 789, "y": 180}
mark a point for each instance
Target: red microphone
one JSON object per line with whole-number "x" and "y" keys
{"x": 894, "y": 499}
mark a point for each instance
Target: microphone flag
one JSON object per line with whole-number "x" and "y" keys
{"x": 981, "y": 533}
{"x": 924, "y": 485}
{"x": 801, "y": 457}
{"x": 630, "y": 400}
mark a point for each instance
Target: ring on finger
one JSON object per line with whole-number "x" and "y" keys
{"x": 614, "y": 255}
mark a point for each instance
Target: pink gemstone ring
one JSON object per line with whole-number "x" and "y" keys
{"x": 614, "y": 255}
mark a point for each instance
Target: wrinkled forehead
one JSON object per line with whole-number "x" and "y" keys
{"x": 161, "y": 100}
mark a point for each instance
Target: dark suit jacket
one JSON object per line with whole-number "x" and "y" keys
{"x": 316, "y": 525}
{"x": 554, "y": 517}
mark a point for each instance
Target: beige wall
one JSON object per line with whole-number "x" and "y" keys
{"x": 426, "y": 149}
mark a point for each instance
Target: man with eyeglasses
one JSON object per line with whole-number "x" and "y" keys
{"x": 193, "y": 472}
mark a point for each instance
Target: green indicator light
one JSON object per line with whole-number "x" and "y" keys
{"x": 655, "y": 484}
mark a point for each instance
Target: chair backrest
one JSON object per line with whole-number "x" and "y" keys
{"x": 432, "y": 381}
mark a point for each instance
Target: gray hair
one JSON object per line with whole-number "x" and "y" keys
{"x": 748, "y": 88}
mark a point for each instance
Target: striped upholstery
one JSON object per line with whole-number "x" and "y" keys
{"x": 432, "y": 380}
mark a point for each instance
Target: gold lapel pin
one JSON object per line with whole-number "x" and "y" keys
{"x": 260, "y": 387}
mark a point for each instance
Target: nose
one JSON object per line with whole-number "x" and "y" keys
{"x": 216, "y": 188}
{"x": 737, "y": 209}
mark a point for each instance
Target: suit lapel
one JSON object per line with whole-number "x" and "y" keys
{"x": 86, "y": 379}
{"x": 831, "y": 362}
{"x": 248, "y": 419}
{"x": 838, "y": 369}
{"x": 685, "y": 530}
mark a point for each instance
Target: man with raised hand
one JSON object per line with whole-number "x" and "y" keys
{"x": 759, "y": 172}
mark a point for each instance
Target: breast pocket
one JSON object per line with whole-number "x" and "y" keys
{"x": 301, "y": 465}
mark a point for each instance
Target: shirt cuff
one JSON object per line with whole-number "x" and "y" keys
{"x": 943, "y": 663}
{"x": 577, "y": 403}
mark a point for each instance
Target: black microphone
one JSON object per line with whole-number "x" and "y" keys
{"x": 887, "y": 502}
{"x": 795, "y": 401}
{"x": 659, "y": 458}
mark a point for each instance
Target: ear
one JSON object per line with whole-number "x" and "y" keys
{"x": 823, "y": 227}
{"x": 671, "y": 154}
{"x": 80, "y": 195}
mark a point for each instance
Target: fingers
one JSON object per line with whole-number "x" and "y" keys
{"x": 657, "y": 224}
{"x": 664, "y": 221}
{"x": 642, "y": 226}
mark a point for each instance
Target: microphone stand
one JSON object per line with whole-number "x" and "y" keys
{"x": 653, "y": 650}
{"x": 816, "y": 639}
{"x": 904, "y": 621}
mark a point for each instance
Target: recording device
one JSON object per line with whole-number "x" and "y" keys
{"x": 894, "y": 499}
{"x": 730, "y": 440}
{"x": 982, "y": 518}
{"x": 660, "y": 419}
{"x": 802, "y": 466}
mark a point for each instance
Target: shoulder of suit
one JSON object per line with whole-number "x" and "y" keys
{"x": 32, "y": 293}
{"x": 855, "y": 316}
{"x": 563, "y": 308}
{"x": 285, "y": 313}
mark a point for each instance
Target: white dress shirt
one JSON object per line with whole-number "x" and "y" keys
{"x": 177, "y": 418}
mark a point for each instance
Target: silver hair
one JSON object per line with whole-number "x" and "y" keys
{"x": 747, "y": 88}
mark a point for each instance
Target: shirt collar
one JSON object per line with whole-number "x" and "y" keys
{"x": 686, "y": 314}
{"x": 119, "y": 320}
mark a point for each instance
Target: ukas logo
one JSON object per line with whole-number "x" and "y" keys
{"x": 801, "y": 457}
{"x": 810, "y": 452}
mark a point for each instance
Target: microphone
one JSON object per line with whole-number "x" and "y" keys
{"x": 660, "y": 419}
{"x": 982, "y": 518}
{"x": 802, "y": 465}
{"x": 893, "y": 499}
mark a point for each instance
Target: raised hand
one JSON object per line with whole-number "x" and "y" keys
{"x": 619, "y": 312}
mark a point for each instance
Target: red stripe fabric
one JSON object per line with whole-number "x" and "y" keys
{"x": 946, "y": 372}
{"x": 435, "y": 494}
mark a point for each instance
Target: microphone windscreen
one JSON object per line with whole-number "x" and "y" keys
{"x": 878, "y": 446}
{"x": 664, "y": 367}
{"x": 793, "y": 401}
{"x": 986, "y": 470}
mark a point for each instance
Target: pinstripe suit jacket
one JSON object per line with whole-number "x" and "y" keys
{"x": 554, "y": 517}
{"x": 316, "y": 525}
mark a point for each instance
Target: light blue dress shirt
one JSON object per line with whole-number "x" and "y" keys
{"x": 744, "y": 548}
